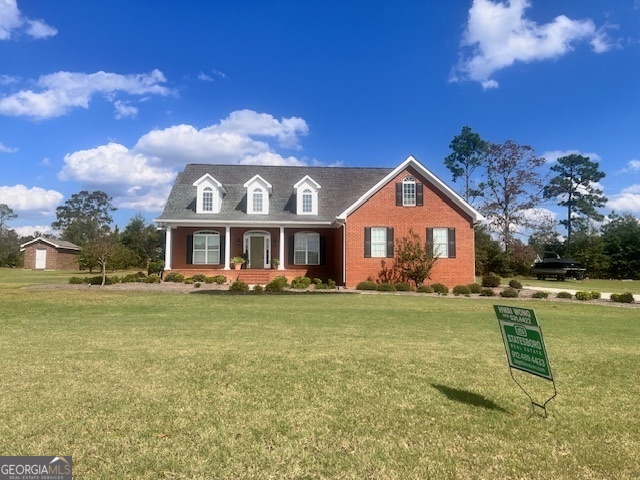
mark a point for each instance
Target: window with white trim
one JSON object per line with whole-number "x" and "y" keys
{"x": 257, "y": 200}
{"x": 306, "y": 248}
{"x": 307, "y": 201}
{"x": 409, "y": 191}
{"x": 441, "y": 242}
{"x": 206, "y": 248}
{"x": 207, "y": 199}
{"x": 378, "y": 242}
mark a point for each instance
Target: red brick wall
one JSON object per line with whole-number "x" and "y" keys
{"x": 438, "y": 211}
{"x": 57, "y": 259}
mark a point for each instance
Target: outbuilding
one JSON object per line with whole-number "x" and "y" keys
{"x": 50, "y": 254}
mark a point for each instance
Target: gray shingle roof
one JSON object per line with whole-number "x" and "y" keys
{"x": 340, "y": 188}
{"x": 56, "y": 242}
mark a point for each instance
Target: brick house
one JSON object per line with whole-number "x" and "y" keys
{"x": 50, "y": 254}
{"x": 325, "y": 222}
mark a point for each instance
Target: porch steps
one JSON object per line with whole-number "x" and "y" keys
{"x": 255, "y": 277}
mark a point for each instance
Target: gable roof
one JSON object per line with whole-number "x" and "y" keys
{"x": 344, "y": 189}
{"x": 54, "y": 242}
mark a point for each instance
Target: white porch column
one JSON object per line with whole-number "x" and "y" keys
{"x": 281, "y": 249}
{"x": 167, "y": 248}
{"x": 227, "y": 248}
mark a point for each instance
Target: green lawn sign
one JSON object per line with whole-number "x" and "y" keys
{"x": 523, "y": 340}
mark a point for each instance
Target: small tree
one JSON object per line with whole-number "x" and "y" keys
{"x": 467, "y": 154}
{"x": 413, "y": 259}
{"x": 101, "y": 250}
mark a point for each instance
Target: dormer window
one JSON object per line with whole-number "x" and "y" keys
{"x": 209, "y": 193}
{"x": 306, "y": 191}
{"x": 409, "y": 191}
{"x": 258, "y": 191}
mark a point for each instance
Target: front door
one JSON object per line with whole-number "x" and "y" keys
{"x": 41, "y": 259}
{"x": 256, "y": 252}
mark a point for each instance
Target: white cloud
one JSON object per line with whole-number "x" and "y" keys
{"x": 124, "y": 110}
{"x": 12, "y": 20}
{"x": 141, "y": 177}
{"x": 553, "y": 155}
{"x": 62, "y": 91}
{"x": 35, "y": 199}
{"x": 28, "y": 230}
{"x": 204, "y": 77}
{"x": 498, "y": 34}
{"x": 626, "y": 201}
{"x": 632, "y": 166}
{"x": 5, "y": 149}
{"x": 8, "y": 79}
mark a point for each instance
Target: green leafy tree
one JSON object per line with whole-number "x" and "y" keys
{"x": 575, "y": 188}
{"x": 9, "y": 241}
{"x": 467, "y": 155}
{"x": 100, "y": 250}
{"x": 490, "y": 257}
{"x": 513, "y": 188}
{"x": 144, "y": 240}
{"x": 84, "y": 217}
{"x": 545, "y": 238}
{"x": 414, "y": 260}
{"x": 589, "y": 249}
{"x": 621, "y": 238}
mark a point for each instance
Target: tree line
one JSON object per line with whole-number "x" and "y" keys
{"x": 508, "y": 184}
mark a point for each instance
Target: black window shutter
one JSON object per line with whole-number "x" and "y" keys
{"x": 189, "y": 249}
{"x": 452, "y": 243}
{"x": 291, "y": 247}
{"x": 222, "y": 252}
{"x": 419, "y": 195}
{"x": 390, "y": 242}
{"x": 367, "y": 242}
{"x": 429, "y": 245}
{"x": 323, "y": 250}
{"x": 399, "y": 194}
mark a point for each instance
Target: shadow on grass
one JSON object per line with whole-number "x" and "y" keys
{"x": 470, "y": 398}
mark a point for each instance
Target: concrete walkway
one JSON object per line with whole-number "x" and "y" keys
{"x": 605, "y": 295}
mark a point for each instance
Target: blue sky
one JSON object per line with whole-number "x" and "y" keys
{"x": 120, "y": 95}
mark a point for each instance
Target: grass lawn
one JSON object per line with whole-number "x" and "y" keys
{"x": 167, "y": 385}
{"x": 599, "y": 285}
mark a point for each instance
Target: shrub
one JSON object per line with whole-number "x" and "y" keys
{"x": 152, "y": 278}
{"x": 76, "y": 280}
{"x": 300, "y": 283}
{"x": 565, "y": 295}
{"x": 174, "y": 277}
{"x": 461, "y": 290}
{"x": 368, "y": 285}
{"x": 403, "y": 287}
{"x": 141, "y": 275}
{"x": 595, "y": 295}
{"x": 487, "y": 292}
{"x": 210, "y": 280}
{"x": 584, "y": 296}
{"x": 540, "y": 295}
{"x": 424, "y": 289}
{"x": 98, "y": 280}
{"x": 440, "y": 288}
{"x": 239, "y": 287}
{"x": 317, "y": 281}
{"x": 386, "y": 287}
{"x": 197, "y": 284}
{"x": 188, "y": 280}
{"x": 622, "y": 297}
{"x": 331, "y": 283}
{"x": 155, "y": 267}
{"x": 492, "y": 280}
{"x": 199, "y": 277}
{"x": 258, "y": 289}
{"x": 475, "y": 287}
{"x": 220, "y": 279}
{"x": 276, "y": 285}
{"x": 322, "y": 286}
{"x": 132, "y": 278}
{"x": 509, "y": 293}
{"x": 515, "y": 284}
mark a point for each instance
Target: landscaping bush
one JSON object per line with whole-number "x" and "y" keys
{"x": 565, "y": 295}
{"x": 403, "y": 287}
{"x": 440, "y": 288}
{"x": 515, "y": 284}
{"x": 76, "y": 281}
{"x": 188, "y": 280}
{"x": 220, "y": 279}
{"x": 300, "y": 283}
{"x": 424, "y": 289}
{"x": 475, "y": 287}
{"x": 239, "y": 287}
{"x": 386, "y": 287}
{"x": 321, "y": 286}
{"x": 331, "y": 283}
{"x": 199, "y": 277}
{"x": 197, "y": 284}
{"x": 461, "y": 290}
{"x": 622, "y": 297}
{"x": 210, "y": 280}
{"x": 132, "y": 278}
{"x": 509, "y": 293}
{"x": 492, "y": 280}
{"x": 98, "y": 280}
{"x": 141, "y": 275}
{"x": 155, "y": 267}
{"x": 368, "y": 285}
{"x": 317, "y": 281}
{"x": 152, "y": 278}
{"x": 276, "y": 285}
{"x": 583, "y": 296}
{"x": 258, "y": 289}
{"x": 487, "y": 292}
{"x": 174, "y": 277}
{"x": 595, "y": 295}
{"x": 540, "y": 295}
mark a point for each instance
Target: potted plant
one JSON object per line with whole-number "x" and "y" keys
{"x": 275, "y": 263}
{"x": 237, "y": 262}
